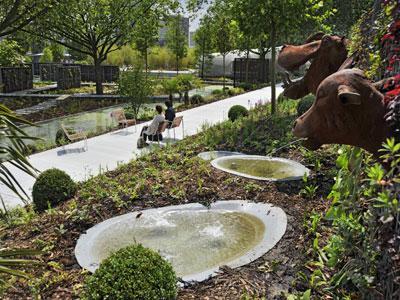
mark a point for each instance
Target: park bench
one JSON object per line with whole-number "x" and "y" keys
{"x": 161, "y": 128}
{"x": 119, "y": 116}
{"x": 176, "y": 122}
{"x": 76, "y": 135}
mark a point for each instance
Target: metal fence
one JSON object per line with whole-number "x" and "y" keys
{"x": 250, "y": 70}
{"x": 13, "y": 79}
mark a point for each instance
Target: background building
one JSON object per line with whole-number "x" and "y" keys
{"x": 162, "y": 33}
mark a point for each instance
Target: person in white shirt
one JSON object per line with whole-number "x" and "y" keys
{"x": 151, "y": 130}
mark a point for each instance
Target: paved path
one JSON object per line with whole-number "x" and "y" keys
{"x": 108, "y": 150}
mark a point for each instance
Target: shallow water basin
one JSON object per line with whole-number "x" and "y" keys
{"x": 261, "y": 167}
{"x": 195, "y": 239}
{"x": 211, "y": 155}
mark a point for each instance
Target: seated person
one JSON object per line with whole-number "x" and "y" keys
{"x": 169, "y": 113}
{"x": 151, "y": 130}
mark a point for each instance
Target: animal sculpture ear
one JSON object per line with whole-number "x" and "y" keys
{"x": 345, "y": 41}
{"x": 315, "y": 37}
{"x": 348, "y": 96}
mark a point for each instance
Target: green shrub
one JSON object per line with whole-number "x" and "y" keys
{"x": 304, "y": 104}
{"x": 53, "y": 186}
{"x": 235, "y": 91}
{"x": 197, "y": 99}
{"x": 246, "y": 86}
{"x": 61, "y": 138}
{"x": 129, "y": 114}
{"x": 30, "y": 149}
{"x": 217, "y": 92}
{"x": 282, "y": 98}
{"x": 236, "y": 112}
{"x": 134, "y": 272}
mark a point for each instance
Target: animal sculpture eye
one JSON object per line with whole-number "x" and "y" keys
{"x": 343, "y": 99}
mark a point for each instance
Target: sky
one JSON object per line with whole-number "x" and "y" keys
{"x": 194, "y": 23}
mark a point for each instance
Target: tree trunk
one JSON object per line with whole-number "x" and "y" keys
{"x": 177, "y": 65}
{"x": 247, "y": 65}
{"x": 203, "y": 57}
{"x": 273, "y": 74}
{"x": 99, "y": 76}
{"x": 186, "y": 98}
{"x": 146, "y": 61}
{"x": 223, "y": 66}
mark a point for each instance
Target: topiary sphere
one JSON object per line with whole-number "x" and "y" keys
{"x": 134, "y": 272}
{"x": 304, "y": 104}
{"x": 236, "y": 112}
{"x": 52, "y": 186}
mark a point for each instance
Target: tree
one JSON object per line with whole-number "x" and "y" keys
{"x": 95, "y": 27}
{"x": 224, "y": 33}
{"x": 145, "y": 34}
{"x": 171, "y": 86}
{"x": 137, "y": 87}
{"x": 58, "y": 52}
{"x": 204, "y": 45}
{"x": 187, "y": 82}
{"x": 47, "y": 56}
{"x": 10, "y": 53}
{"x": 347, "y": 13}
{"x": 273, "y": 22}
{"x": 16, "y": 14}
{"x": 177, "y": 40}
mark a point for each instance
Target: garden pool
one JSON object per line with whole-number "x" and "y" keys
{"x": 261, "y": 167}
{"x": 211, "y": 155}
{"x": 195, "y": 239}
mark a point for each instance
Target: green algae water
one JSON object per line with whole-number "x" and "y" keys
{"x": 193, "y": 241}
{"x": 260, "y": 168}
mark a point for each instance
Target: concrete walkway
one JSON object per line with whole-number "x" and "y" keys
{"x": 109, "y": 150}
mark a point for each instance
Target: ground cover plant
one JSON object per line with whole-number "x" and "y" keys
{"x": 175, "y": 175}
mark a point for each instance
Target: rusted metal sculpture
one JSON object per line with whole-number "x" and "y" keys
{"x": 349, "y": 109}
{"x": 327, "y": 53}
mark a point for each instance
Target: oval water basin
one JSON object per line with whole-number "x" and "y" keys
{"x": 261, "y": 167}
{"x": 211, "y": 155}
{"x": 195, "y": 239}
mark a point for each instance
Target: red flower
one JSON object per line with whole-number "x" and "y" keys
{"x": 393, "y": 93}
{"x": 387, "y": 36}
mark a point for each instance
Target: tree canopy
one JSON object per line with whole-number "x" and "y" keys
{"x": 16, "y": 14}
{"x": 177, "y": 40}
{"x": 95, "y": 27}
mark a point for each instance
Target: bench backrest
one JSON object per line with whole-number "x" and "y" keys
{"x": 162, "y": 126}
{"x": 177, "y": 122}
{"x": 118, "y": 115}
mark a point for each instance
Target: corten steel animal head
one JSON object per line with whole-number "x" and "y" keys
{"x": 327, "y": 52}
{"x": 348, "y": 110}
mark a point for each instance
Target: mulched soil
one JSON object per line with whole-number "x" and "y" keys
{"x": 60, "y": 276}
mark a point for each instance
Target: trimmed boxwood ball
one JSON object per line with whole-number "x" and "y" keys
{"x": 52, "y": 187}
{"x": 134, "y": 272}
{"x": 236, "y": 112}
{"x": 304, "y": 104}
